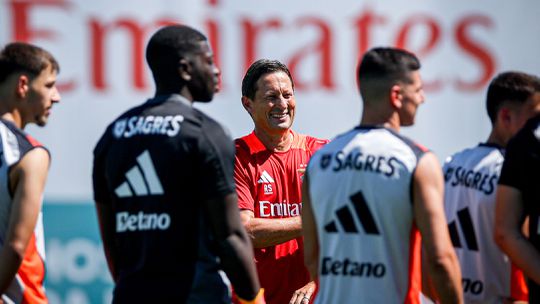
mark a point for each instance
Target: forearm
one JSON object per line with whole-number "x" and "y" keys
{"x": 521, "y": 252}
{"x": 270, "y": 232}
{"x": 10, "y": 261}
{"x": 237, "y": 261}
{"x": 509, "y": 218}
{"x": 313, "y": 267}
{"x": 445, "y": 275}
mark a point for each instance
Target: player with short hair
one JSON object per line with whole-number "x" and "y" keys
{"x": 270, "y": 163}
{"x": 164, "y": 187}
{"x": 471, "y": 178}
{"x": 371, "y": 193}
{"x": 518, "y": 194}
{"x": 27, "y": 93}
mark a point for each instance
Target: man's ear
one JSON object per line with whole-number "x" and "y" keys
{"x": 23, "y": 85}
{"x": 246, "y": 102}
{"x": 396, "y": 96}
{"x": 504, "y": 116}
{"x": 184, "y": 69}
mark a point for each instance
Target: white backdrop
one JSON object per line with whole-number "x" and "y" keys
{"x": 100, "y": 46}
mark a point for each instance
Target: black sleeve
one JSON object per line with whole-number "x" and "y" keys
{"x": 217, "y": 161}
{"x": 515, "y": 163}
{"x": 101, "y": 192}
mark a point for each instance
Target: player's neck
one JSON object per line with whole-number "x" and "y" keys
{"x": 280, "y": 142}
{"x": 497, "y": 138}
{"x": 167, "y": 90}
{"x": 13, "y": 117}
{"x": 379, "y": 118}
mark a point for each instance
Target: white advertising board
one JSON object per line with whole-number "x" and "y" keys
{"x": 100, "y": 46}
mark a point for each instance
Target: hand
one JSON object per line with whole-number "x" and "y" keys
{"x": 512, "y": 301}
{"x": 303, "y": 295}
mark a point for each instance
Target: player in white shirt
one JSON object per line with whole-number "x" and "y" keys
{"x": 370, "y": 193}
{"x": 470, "y": 185}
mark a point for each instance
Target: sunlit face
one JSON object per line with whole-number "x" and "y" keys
{"x": 205, "y": 74}
{"x": 273, "y": 106}
{"x": 42, "y": 94}
{"x": 412, "y": 95}
{"x": 520, "y": 114}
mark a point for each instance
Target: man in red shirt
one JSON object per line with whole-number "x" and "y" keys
{"x": 269, "y": 166}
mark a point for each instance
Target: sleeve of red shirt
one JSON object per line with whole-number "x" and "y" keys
{"x": 243, "y": 180}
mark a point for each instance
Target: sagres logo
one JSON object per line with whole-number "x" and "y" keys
{"x": 346, "y": 218}
{"x": 467, "y": 228}
{"x": 142, "y": 179}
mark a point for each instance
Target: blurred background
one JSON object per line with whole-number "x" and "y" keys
{"x": 100, "y": 46}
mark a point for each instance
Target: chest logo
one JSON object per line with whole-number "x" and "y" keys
{"x": 267, "y": 182}
{"x": 265, "y": 178}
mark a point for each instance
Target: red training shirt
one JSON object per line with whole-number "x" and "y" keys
{"x": 269, "y": 184}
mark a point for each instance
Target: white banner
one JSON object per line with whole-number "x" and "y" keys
{"x": 100, "y": 46}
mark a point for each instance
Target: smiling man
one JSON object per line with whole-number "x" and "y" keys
{"x": 270, "y": 163}
{"x": 27, "y": 94}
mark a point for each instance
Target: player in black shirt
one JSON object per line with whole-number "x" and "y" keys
{"x": 164, "y": 188}
{"x": 518, "y": 196}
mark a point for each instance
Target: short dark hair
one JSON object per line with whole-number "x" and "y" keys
{"x": 167, "y": 46}
{"x": 259, "y": 68}
{"x": 383, "y": 67}
{"x": 20, "y": 57}
{"x": 512, "y": 87}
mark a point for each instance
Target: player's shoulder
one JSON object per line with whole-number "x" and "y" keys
{"x": 460, "y": 155}
{"x": 314, "y": 143}
{"x": 417, "y": 147}
{"x": 307, "y": 142}
{"x": 474, "y": 154}
{"x": 21, "y": 142}
{"x": 248, "y": 145}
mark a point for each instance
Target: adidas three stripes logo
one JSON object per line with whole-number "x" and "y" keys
{"x": 265, "y": 178}
{"x": 142, "y": 179}
{"x": 465, "y": 221}
{"x": 346, "y": 218}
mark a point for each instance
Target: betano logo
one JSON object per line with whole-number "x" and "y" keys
{"x": 345, "y": 217}
{"x": 142, "y": 221}
{"x": 141, "y": 183}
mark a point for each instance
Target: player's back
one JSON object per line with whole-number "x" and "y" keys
{"x": 155, "y": 158}
{"x": 470, "y": 185}
{"x": 360, "y": 188}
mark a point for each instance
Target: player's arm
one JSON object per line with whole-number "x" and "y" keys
{"x": 270, "y": 232}
{"x": 234, "y": 246}
{"x": 263, "y": 232}
{"x": 442, "y": 263}
{"x": 309, "y": 229}
{"x": 105, "y": 215}
{"x": 104, "y": 208}
{"x": 509, "y": 216}
{"x": 27, "y": 179}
